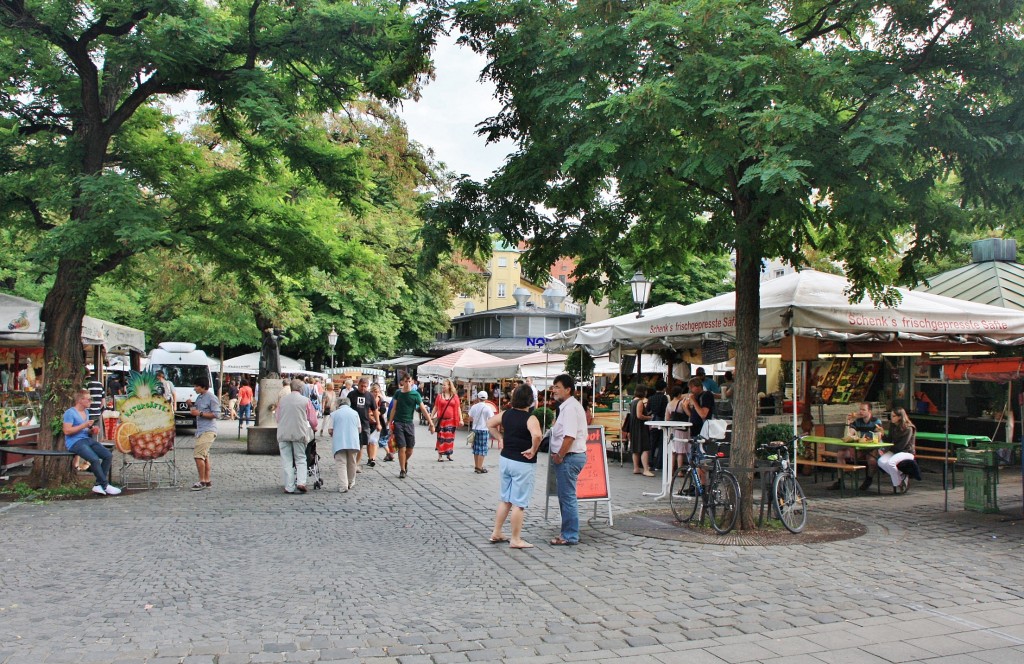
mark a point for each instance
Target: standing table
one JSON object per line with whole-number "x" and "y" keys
{"x": 669, "y": 427}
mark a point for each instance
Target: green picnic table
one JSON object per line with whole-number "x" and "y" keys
{"x": 955, "y": 439}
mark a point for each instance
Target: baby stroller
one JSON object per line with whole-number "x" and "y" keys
{"x": 313, "y": 464}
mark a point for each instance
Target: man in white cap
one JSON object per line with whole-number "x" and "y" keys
{"x": 481, "y": 411}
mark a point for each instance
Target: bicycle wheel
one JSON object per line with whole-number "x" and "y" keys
{"x": 789, "y": 502}
{"x": 724, "y": 501}
{"x": 681, "y": 496}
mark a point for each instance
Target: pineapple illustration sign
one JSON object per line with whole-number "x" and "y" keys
{"x": 147, "y": 421}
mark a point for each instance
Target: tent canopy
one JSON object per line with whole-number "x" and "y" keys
{"x": 807, "y": 304}
{"x": 444, "y": 367}
{"x": 20, "y": 325}
{"x": 250, "y": 364}
{"x": 534, "y": 365}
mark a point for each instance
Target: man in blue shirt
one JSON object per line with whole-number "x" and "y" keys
{"x": 78, "y": 431}
{"x": 709, "y": 383}
{"x": 206, "y": 410}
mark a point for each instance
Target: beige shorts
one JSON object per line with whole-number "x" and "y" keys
{"x": 204, "y": 442}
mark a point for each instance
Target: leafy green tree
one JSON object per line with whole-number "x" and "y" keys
{"x": 761, "y": 127}
{"x": 89, "y": 162}
{"x": 684, "y": 280}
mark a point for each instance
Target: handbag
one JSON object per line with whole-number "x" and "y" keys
{"x": 471, "y": 438}
{"x": 545, "y": 443}
{"x": 626, "y": 422}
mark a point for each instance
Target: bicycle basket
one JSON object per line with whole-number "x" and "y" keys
{"x": 717, "y": 448}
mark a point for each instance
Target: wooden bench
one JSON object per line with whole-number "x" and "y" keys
{"x": 842, "y": 468}
{"x": 938, "y": 454}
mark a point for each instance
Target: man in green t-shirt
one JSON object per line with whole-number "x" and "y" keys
{"x": 405, "y": 404}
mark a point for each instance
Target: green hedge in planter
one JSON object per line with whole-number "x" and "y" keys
{"x": 769, "y": 432}
{"x": 545, "y": 416}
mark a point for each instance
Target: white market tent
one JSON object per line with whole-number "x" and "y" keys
{"x": 812, "y": 305}
{"x": 534, "y": 365}
{"x": 806, "y": 304}
{"x": 446, "y": 366}
{"x": 250, "y": 364}
{"x": 20, "y": 325}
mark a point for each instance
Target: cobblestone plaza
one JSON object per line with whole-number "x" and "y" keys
{"x": 401, "y": 571}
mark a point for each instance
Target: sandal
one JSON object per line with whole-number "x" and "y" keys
{"x": 558, "y": 541}
{"x": 198, "y": 486}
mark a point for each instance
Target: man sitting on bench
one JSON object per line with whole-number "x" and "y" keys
{"x": 866, "y": 425}
{"x": 78, "y": 430}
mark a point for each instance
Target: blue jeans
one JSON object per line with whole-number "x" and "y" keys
{"x": 244, "y": 413}
{"x": 97, "y": 456}
{"x": 566, "y": 474}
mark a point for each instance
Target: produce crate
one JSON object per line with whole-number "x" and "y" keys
{"x": 976, "y": 457}
{"x": 980, "y": 489}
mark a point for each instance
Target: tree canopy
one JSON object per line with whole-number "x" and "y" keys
{"x": 101, "y": 174}
{"x": 761, "y": 127}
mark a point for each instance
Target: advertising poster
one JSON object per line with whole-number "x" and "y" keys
{"x": 147, "y": 422}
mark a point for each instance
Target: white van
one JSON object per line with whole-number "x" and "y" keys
{"x": 181, "y": 364}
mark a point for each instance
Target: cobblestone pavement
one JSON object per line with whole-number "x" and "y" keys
{"x": 401, "y": 571}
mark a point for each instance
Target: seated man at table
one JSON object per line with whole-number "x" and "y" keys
{"x": 864, "y": 425}
{"x": 78, "y": 431}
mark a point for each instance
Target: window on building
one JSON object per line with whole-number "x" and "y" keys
{"x": 780, "y": 273}
{"x": 502, "y": 262}
{"x": 522, "y": 327}
{"x": 501, "y": 290}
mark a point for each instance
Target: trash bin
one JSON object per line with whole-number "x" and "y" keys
{"x": 981, "y": 477}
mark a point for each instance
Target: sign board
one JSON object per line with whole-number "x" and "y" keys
{"x": 592, "y": 484}
{"x": 146, "y": 431}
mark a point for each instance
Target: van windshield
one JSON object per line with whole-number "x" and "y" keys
{"x": 182, "y": 375}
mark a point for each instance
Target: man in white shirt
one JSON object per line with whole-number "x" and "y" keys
{"x": 481, "y": 411}
{"x": 569, "y": 454}
{"x": 529, "y": 381}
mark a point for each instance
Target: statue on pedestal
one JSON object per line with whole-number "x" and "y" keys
{"x": 270, "y": 357}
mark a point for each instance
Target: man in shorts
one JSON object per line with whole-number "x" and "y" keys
{"x": 366, "y": 407}
{"x": 481, "y": 411}
{"x": 406, "y": 403}
{"x": 206, "y": 410}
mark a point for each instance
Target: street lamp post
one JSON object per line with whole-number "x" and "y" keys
{"x": 332, "y": 339}
{"x": 641, "y": 288}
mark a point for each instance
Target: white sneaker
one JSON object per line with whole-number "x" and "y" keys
{"x": 112, "y": 490}
{"x": 98, "y": 489}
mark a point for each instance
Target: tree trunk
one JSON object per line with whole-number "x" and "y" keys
{"x": 748, "y": 304}
{"x": 64, "y": 361}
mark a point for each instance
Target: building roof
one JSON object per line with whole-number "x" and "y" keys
{"x": 997, "y": 283}
{"x": 501, "y": 346}
{"x": 514, "y": 310}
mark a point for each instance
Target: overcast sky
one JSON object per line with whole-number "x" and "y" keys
{"x": 445, "y": 118}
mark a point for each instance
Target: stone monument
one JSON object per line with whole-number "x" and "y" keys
{"x": 263, "y": 437}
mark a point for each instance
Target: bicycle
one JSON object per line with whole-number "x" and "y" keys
{"x": 719, "y": 497}
{"x": 788, "y": 502}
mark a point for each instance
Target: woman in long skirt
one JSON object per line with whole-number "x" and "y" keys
{"x": 448, "y": 416}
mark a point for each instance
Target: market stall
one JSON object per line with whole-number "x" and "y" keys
{"x": 806, "y": 315}
{"x": 21, "y": 363}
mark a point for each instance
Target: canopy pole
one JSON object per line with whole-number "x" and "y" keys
{"x": 945, "y": 468}
{"x": 622, "y": 441}
{"x": 793, "y": 456}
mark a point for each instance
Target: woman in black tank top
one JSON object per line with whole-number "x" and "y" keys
{"x": 518, "y": 434}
